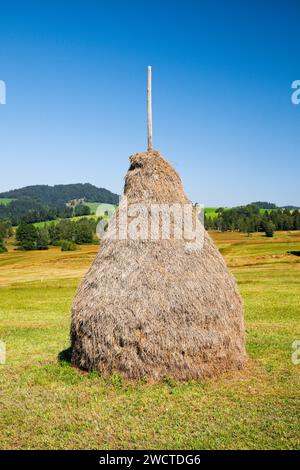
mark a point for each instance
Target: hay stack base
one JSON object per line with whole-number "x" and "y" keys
{"x": 151, "y": 308}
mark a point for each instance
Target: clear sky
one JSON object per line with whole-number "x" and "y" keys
{"x": 76, "y": 73}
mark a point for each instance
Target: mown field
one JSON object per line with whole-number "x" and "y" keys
{"x": 48, "y": 404}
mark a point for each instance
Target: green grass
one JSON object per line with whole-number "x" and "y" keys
{"x": 210, "y": 212}
{"x": 48, "y": 404}
{"x": 100, "y": 207}
{"x": 6, "y": 200}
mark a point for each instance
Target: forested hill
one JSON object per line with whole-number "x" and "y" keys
{"x": 58, "y": 195}
{"x": 271, "y": 205}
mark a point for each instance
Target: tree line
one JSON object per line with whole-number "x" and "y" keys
{"x": 69, "y": 233}
{"x": 65, "y": 233}
{"x": 27, "y": 210}
{"x": 250, "y": 219}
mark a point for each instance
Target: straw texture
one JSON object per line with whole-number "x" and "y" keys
{"x": 151, "y": 308}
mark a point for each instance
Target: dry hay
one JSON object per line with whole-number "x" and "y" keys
{"x": 152, "y": 308}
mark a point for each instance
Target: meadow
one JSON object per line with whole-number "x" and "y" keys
{"x": 5, "y": 200}
{"x": 210, "y": 211}
{"x": 102, "y": 210}
{"x": 46, "y": 404}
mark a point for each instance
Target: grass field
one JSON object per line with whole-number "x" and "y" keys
{"x": 47, "y": 404}
{"x": 211, "y": 212}
{"x": 101, "y": 208}
{"x": 6, "y": 200}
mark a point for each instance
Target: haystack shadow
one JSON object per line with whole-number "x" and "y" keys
{"x": 65, "y": 356}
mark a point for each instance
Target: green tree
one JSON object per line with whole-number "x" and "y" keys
{"x": 82, "y": 209}
{"x": 84, "y": 232}
{"x": 54, "y": 233}
{"x": 67, "y": 230}
{"x": 2, "y": 246}
{"x": 42, "y": 241}
{"x": 269, "y": 230}
{"x": 26, "y": 236}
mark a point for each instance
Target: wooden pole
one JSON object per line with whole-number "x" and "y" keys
{"x": 149, "y": 109}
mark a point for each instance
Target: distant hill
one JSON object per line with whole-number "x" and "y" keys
{"x": 60, "y": 194}
{"x": 264, "y": 205}
{"x": 271, "y": 205}
{"x": 290, "y": 208}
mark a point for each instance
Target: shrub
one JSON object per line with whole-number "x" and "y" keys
{"x": 270, "y": 227}
{"x": 57, "y": 243}
{"x": 66, "y": 245}
{"x": 2, "y": 247}
{"x": 82, "y": 210}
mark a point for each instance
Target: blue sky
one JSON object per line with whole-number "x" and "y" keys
{"x": 76, "y": 73}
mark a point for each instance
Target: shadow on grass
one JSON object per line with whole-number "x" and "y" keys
{"x": 65, "y": 356}
{"x": 73, "y": 375}
{"x": 295, "y": 253}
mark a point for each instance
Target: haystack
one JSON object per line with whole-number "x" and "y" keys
{"x": 152, "y": 308}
